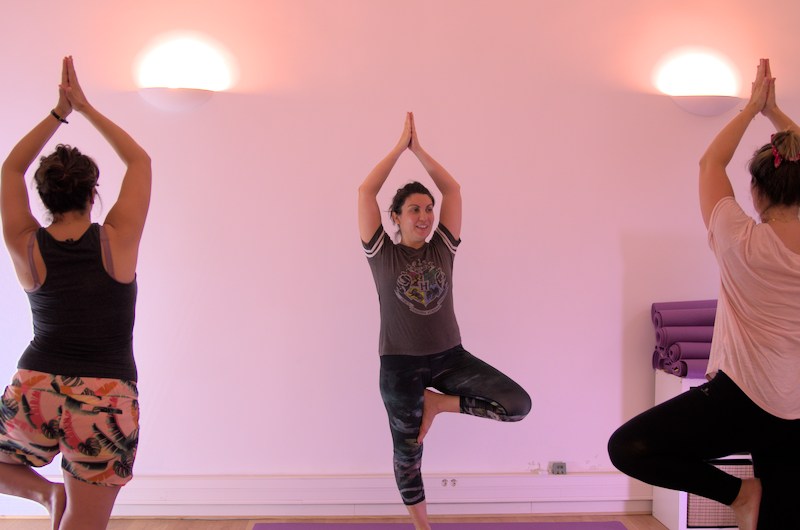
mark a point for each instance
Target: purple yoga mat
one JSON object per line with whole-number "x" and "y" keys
{"x": 689, "y": 304}
{"x": 658, "y": 360}
{"x": 696, "y": 316}
{"x": 610, "y": 525}
{"x": 689, "y": 350}
{"x": 666, "y": 337}
{"x": 691, "y": 368}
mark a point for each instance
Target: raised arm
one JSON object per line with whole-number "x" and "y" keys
{"x": 779, "y": 120}
{"x": 369, "y": 213}
{"x": 15, "y": 209}
{"x": 450, "y": 212}
{"x": 714, "y": 181}
{"x": 127, "y": 217}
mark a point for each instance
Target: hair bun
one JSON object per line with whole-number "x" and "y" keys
{"x": 66, "y": 179}
{"x": 785, "y": 146}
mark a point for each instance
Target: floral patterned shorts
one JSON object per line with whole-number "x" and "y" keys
{"x": 93, "y": 422}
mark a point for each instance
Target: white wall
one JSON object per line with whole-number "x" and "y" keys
{"x": 257, "y": 324}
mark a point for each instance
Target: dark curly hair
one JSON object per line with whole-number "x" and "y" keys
{"x": 66, "y": 180}
{"x": 775, "y": 169}
{"x": 403, "y": 193}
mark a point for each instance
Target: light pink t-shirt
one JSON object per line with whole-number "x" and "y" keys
{"x": 757, "y": 329}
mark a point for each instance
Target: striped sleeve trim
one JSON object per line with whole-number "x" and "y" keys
{"x": 447, "y": 237}
{"x": 375, "y": 244}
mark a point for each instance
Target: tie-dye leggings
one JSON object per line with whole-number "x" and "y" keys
{"x": 483, "y": 390}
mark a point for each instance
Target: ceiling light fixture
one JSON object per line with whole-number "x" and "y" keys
{"x": 181, "y": 71}
{"x": 698, "y": 80}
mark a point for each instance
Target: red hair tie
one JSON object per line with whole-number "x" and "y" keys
{"x": 777, "y": 156}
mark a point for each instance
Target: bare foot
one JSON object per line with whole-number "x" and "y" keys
{"x": 433, "y": 405}
{"x": 429, "y": 411}
{"x": 57, "y": 504}
{"x": 747, "y": 503}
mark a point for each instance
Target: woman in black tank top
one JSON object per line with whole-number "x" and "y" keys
{"x": 76, "y": 382}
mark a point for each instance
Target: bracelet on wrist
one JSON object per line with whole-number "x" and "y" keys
{"x": 56, "y": 116}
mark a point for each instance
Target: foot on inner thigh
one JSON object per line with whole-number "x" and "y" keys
{"x": 747, "y": 503}
{"x": 434, "y": 404}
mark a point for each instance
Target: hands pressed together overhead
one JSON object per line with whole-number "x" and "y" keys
{"x": 70, "y": 93}
{"x": 762, "y": 92}
{"x": 409, "y": 139}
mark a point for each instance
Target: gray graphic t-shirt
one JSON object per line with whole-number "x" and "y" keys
{"x": 415, "y": 291}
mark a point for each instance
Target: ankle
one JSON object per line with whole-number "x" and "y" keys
{"x": 747, "y": 503}
{"x": 749, "y": 491}
{"x": 442, "y": 402}
{"x": 439, "y": 402}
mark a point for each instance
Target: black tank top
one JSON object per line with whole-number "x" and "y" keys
{"x": 82, "y": 317}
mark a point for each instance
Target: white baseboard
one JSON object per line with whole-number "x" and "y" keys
{"x": 262, "y": 496}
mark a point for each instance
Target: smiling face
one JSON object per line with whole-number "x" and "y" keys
{"x": 415, "y": 220}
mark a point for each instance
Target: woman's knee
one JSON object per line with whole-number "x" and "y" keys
{"x": 626, "y": 447}
{"x": 520, "y": 406}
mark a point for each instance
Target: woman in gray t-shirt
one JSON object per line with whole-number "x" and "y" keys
{"x": 420, "y": 342}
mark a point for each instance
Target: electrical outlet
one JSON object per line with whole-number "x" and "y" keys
{"x": 557, "y": 468}
{"x": 535, "y": 467}
{"x": 449, "y": 482}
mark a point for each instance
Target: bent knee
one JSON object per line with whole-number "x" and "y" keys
{"x": 615, "y": 450}
{"x": 520, "y": 407}
{"x": 625, "y": 449}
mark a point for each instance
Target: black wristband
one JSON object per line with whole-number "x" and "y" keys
{"x": 56, "y": 116}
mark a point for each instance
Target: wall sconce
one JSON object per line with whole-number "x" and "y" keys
{"x": 182, "y": 71}
{"x": 698, "y": 80}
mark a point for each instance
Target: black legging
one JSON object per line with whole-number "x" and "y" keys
{"x": 484, "y": 391}
{"x": 670, "y": 444}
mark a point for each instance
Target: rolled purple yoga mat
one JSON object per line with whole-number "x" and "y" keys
{"x": 689, "y": 350}
{"x": 658, "y": 361}
{"x": 692, "y": 368}
{"x": 697, "y": 316}
{"x": 667, "y": 336}
{"x": 689, "y": 304}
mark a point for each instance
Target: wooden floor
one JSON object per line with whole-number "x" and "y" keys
{"x": 631, "y": 522}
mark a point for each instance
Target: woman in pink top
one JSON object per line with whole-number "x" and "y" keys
{"x": 751, "y": 403}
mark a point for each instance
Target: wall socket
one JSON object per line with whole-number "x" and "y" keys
{"x": 449, "y": 482}
{"x": 557, "y": 468}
